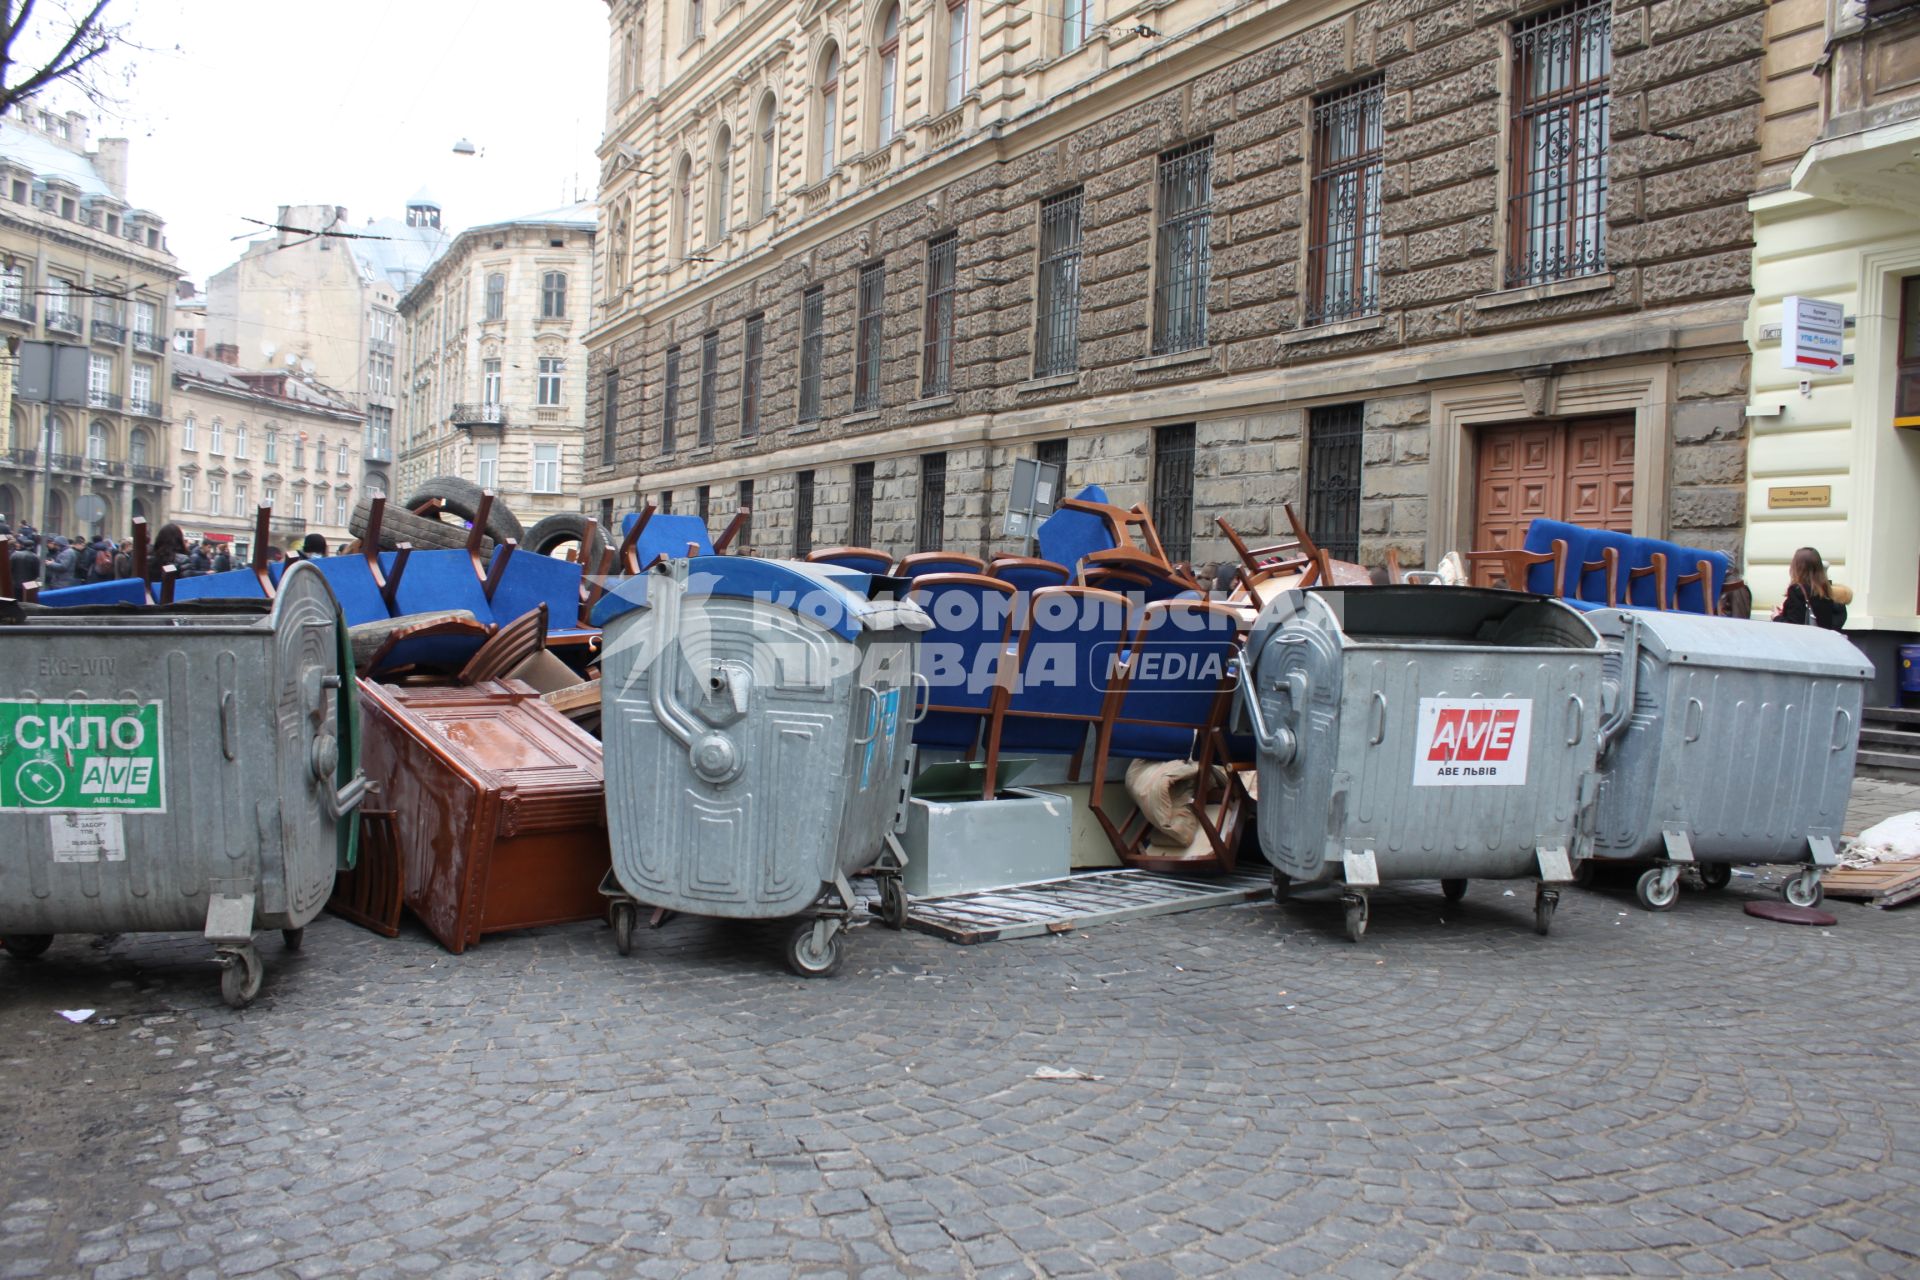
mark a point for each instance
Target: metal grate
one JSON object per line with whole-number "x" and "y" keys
{"x": 1343, "y": 262}
{"x": 1333, "y": 478}
{"x": 1057, "y": 339}
{"x": 670, "y": 400}
{"x": 933, "y": 500}
{"x": 813, "y": 328}
{"x": 1173, "y": 490}
{"x": 1055, "y": 452}
{"x": 754, "y": 349}
{"x": 609, "y": 417}
{"x": 703, "y": 502}
{"x": 1184, "y": 260}
{"x": 866, "y": 368}
{"x": 709, "y": 384}
{"x": 936, "y": 374}
{"x": 1557, "y": 215}
{"x": 1055, "y": 906}
{"x": 803, "y": 514}
{"x": 860, "y": 526}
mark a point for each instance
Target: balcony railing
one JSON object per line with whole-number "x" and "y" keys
{"x": 16, "y": 309}
{"x": 479, "y": 415}
{"x": 145, "y": 471}
{"x": 377, "y": 453}
{"x": 68, "y": 461}
{"x": 106, "y": 467}
{"x": 108, "y": 331}
{"x": 64, "y": 321}
{"x": 21, "y": 457}
{"x": 144, "y": 408}
{"x": 287, "y": 526}
{"x": 102, "y": 399}
{"x": 144, "y": 341}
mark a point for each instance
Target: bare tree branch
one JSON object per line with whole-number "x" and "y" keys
{"x": 81, "y": 41}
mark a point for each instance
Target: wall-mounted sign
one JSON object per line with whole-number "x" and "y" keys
{"x": 1811, "y": 335}
{"x": 1799, "y": 495}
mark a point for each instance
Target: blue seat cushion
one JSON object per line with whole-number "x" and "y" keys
{"x": 353, "y": 588}
{"x": 529, "y": 581}
{"x": 118, "y": 591}
{"x": 668, "y": 535}
{"x": 1067, "y": 537}
{"x": 621, "y": 597}
{"x": 438, "y": 580}
{"x": 235, "y": 584}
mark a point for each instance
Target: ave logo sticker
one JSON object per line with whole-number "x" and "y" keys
{"x": 1473, "y": 742}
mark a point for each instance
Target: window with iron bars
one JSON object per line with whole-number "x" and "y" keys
{"x": 860, "y": 526}
{"x": 752, "y": 348}
{"x": 703, "y": 503}
{"x": 1173, "y": 489}
{"x": 1343, "y": 258}
{"x": 1184, "y": 248}
{"x": 1557, "y": 212}
{"x": 936, "y": 373}
{"x": 745, "y": 537}
{"x": 1334, "y": 434}
{"x": 609, "y": 417}
{"x": 802, "y": 514}
{"x": 1054, "y": 452}
{"x": 709, "y": 384}
{"x": 813, "y": 330}
{"x": 669, "y": 399}
{"x": 1056, "y": 346}
{"x": 866, "y": 367}
{"x": 933, "y": 500}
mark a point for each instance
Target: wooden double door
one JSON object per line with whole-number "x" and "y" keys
{"x": 1579, "y": 471}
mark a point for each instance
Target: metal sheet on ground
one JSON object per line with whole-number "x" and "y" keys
{"x": 1078, "y": 902}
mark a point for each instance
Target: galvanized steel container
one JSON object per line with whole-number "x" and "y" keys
{"x": 1423, "y": 732}
{"x": 174, "y": 768}
{"x": 755, "y": 725}
{"x": 1739, "y": 747}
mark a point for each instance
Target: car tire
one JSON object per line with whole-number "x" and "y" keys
{"x": 462, "y": 498}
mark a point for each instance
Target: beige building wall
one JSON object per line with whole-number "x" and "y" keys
{"x": 80, "y": 265}
{"x": 247, "y": 437}
{"x": 451, "y": 422}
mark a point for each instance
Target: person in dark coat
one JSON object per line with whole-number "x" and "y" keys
{"x": 169, "y": 548}
{"x": 1811, "y": 595}
{"x": 313, "y": 547}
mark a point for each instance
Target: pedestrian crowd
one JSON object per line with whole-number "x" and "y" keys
{"x": 56, "y": 560}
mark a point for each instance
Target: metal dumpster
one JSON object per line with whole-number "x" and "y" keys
{"x": 1408, "y": 732}
{"x": 175, "y": 768}
{"x": 1739, "y": 748}
{"x": 755, "y": 724}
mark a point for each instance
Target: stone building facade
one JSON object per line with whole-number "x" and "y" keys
{"x": 82, "y": 266}
{"x": 493, "y": 385}
{"x": 1423, "y": 269}
{"x": 244, "y": 437}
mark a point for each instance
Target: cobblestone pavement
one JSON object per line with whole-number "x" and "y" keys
{"x": 1697, "y": 1092}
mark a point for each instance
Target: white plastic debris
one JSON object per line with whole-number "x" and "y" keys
{"x": 75, "y": 1015}
{"x": 1062, "y": 1073}
{"x": 1897, "y": 839}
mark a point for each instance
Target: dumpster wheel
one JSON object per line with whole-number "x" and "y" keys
{"x": 1282, "y": 885}
{"x": 1715, "y": 875}
{"x": 893, "y": 902}
{"x": 240, "y": 979}
{"x": 625, "y": 916}
{"x": 811, "y": 956}
{"x": 1658, "y": 888}
{"x": 1804, "y": 890}
{"x": 1544, "y": 901}
{"x": 1356, "y": 905}
{"x": 27, "y": 946}
{"x": 292, "y": 938}
{"x": 1454, "y": 889}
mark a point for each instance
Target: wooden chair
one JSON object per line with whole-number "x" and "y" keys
{"x": 507, "y": 648}
{"x": 925, "y": 562}
{"x": 1513, "y": 564}
{"x": 369, "y": 894}
{"x": 859, "y": 559}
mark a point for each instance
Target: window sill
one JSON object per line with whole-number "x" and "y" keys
{"x": 1337, "y": 329}
{"x": 865, "y": 415}
{"x": 931, "y": 402}
{"x": 1048, "y": 384}
{"x": 1542, "y": 292}
{"x": 1198, "y": 355}
{"x": 809, "y": 424}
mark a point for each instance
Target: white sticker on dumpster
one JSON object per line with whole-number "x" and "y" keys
{"x": 88, "y": 837}
{"x": 1473, "y": 742}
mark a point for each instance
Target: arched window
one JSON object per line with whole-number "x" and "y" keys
{"x": 829, "y": 110}
{"x": 496, "y": 295}
{"x": 888, "y": 52}
{"x": 98, "y": 434}
{"x": 763, "y": 160}
{"x": 140, "y": 447}
{"x": 682, "y": 212}
{"x": 721, "y": 196}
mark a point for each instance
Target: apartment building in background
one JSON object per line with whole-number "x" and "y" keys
{"x": 494, "y": 371}
{"x": 1424, "y": 270}
{"x": 81, "y": 265}
{"x": 318, "y": 296}
{"x": 1834, "y": 457}
{"x": 243, "y": 437}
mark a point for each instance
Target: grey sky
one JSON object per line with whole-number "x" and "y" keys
{"x": 358, "y": 103}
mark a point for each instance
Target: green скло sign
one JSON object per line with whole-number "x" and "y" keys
{"x": 81, "y": 756}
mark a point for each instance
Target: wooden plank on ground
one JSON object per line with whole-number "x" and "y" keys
{"x": 1887, "y": 884}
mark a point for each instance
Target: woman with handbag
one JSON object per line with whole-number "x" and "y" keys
{"x": 1811, "y": 597}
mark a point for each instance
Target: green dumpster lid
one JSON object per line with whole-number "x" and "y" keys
{"x": 965, "y": 779}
